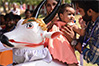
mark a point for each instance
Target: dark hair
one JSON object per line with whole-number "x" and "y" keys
{"x": 31, "y": 11}
{"x": 17, "y": 17}
{"x": 46, "y": 1}
{"x": 9, "y": 16}
{"x": 26, "y": 10}
{"x": 86, "y": 5}
{"x": 62, "y": 8}
{"x": 1, "y": 15}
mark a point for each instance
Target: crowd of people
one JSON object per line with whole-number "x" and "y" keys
{"x": 8, "y": 23}
{"x": 64, "y": 21}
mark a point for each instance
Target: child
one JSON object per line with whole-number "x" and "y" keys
{"x": 67, "y": 16}
{"x": 60, "y": 47}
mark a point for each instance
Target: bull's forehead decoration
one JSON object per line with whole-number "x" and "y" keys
{"x": 40, "y": 21}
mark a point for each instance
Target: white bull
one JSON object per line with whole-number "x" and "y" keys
{"x": 28, "y": 41}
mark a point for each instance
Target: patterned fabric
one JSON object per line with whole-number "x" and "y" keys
{"x": 31, "y": 54}
{"x": 91, "y": 54}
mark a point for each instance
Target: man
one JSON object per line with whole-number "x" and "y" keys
{"x": 15, "y": 10}
{"x": 90, "y": 13}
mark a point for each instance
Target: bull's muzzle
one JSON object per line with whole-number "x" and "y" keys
{"x": 5, "y": 40}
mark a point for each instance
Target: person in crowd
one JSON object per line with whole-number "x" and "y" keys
{"x": 15, "y": 9}
{"x": 17, "y": 18}
{"x": 90, "y": 14}
{"x": 27, "y": 14}
{"x": 2, "y": 22}
{"x": 31, "y": 12}
{"x": 23, "y": 6}
{"x": 59, "y": 47}
{"x": 6, "y": 56}
{"x": 49, "y": 8}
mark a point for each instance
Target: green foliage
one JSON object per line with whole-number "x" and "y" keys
{"x": 68, "y": 1}
{"x": 31, "y": 2}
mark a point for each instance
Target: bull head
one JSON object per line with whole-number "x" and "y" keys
{"x": 33, "y": 26}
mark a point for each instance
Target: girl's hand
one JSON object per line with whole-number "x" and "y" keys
{"x": 68, "y": 32}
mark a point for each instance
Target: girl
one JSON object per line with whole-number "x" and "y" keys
{"x": 60, "y": 48}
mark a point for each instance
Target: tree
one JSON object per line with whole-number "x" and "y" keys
{"x": 68, "y": 1}
{"x": 30, "y": 2}
{"x": 2, "y": 2}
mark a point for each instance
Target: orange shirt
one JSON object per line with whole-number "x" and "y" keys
{"x": 6, "y": 57}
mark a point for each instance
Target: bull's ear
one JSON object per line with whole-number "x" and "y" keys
{"x": 52, "y": 34}
{"x": 55, "y": 34}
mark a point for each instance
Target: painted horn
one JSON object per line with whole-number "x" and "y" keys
{"x": 37, "y": 10}
{"x": 53, "y": 13}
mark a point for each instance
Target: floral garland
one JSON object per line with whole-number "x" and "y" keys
{"x": 40, "y": 21}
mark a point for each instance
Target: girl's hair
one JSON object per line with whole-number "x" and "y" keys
{"x": 62, "y": 9}
{"x": 1, "y": 15}
{"x": 17, "y": 17}
{"x": 46, "y": 1}
{"x": 9, "y": 16}
{"x": 86, "y": 5}
{"x": 27, "y": 11}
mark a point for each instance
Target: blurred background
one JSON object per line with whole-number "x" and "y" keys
{"x": 7, "y": 5}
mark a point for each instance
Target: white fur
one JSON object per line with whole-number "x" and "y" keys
{"x": 22, "y": 34}
{"x": 27, "y": 56}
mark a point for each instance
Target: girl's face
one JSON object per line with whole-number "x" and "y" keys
{"x": 68, "y": 15}
{"x": 50, "y": 5}
{"x": 28, "y": 14}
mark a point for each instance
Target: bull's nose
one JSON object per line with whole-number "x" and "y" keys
{"x": 1, "y": 36}
{"x": 5, "y": 40}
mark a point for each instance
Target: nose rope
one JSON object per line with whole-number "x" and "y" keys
{"x": 28, "y": 44}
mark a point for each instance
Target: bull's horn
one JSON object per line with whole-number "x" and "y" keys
{"x": 53, "y": 13}
{"x": 37, "y": 10}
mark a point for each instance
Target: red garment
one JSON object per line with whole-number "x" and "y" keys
{"x": 60, "y": 48}
{"x": 3, "y": 26}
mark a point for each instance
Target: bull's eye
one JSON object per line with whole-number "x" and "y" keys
{"x": 29, "y": 25}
